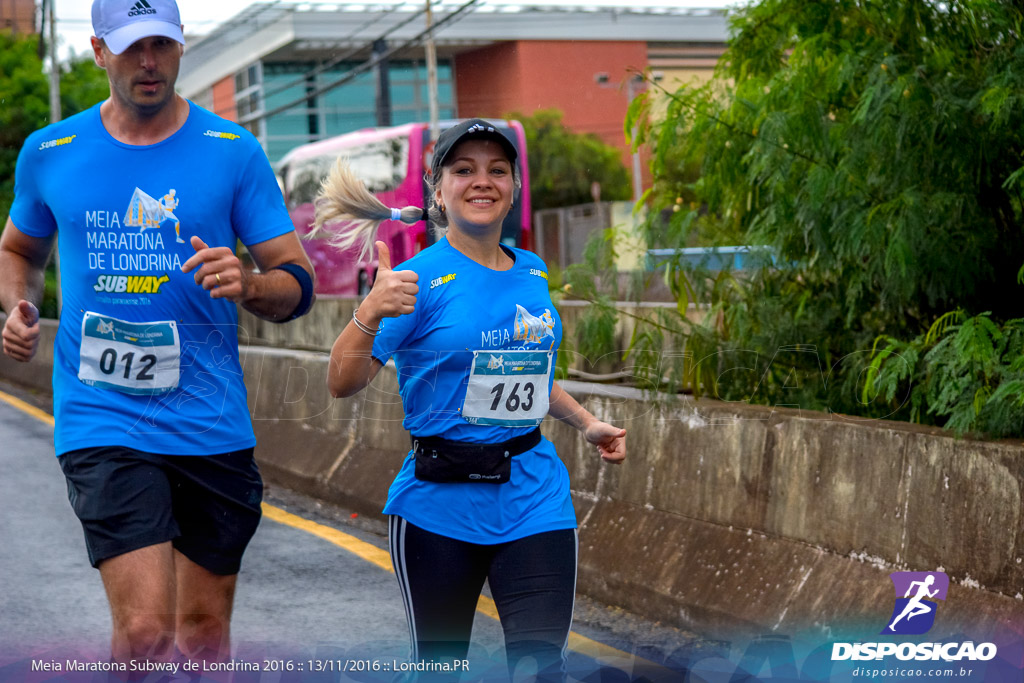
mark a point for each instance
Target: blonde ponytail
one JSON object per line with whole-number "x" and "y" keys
{"x": 349, "y": 214}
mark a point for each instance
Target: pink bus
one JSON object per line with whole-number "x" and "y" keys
{"x": 392, "y": 163}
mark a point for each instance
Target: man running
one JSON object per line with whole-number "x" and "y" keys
{"x": 152, "y": 428}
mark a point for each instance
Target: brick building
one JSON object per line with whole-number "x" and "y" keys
{"x": 19, "y": 16}
{"x": 491, "y": 61}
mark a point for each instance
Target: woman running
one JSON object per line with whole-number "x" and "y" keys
{"x": 474, "y": 335}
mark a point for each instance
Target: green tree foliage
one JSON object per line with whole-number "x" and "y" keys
{"x": 82, "y": 85}
{"x": 25, "y": 103}
{"x": 25, "y": 107}
{"x": 967, "y": 373}
{"x": 563, "y": 164}
{"x": 875, "y": 149}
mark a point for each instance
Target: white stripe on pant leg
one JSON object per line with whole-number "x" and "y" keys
{"x": 575, "y": 574}
{"x": 396, "y": 546}
{"x": 396, "y": 541}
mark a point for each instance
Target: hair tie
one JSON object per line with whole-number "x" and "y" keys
{"x": 396, "y": 214}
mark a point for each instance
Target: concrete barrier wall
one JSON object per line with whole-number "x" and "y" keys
{"x": 317, "y": 332}
{"x": 739, "y": 520}
{"x": 38, "y": 374}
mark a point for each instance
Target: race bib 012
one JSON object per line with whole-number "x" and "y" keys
{"x": 508, "y": 388}
{"x": 133, "y": 358}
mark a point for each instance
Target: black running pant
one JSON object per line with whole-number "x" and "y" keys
{"x": 532, "y": 581}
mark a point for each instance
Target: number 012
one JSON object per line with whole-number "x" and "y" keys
{"x": 108, "y": 364}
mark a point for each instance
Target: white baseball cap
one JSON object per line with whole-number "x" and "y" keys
{"x": 119, "y": 23}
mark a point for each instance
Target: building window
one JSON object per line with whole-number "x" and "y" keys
{"x": 249, "y": 99}
{"x": 409, "y": 96}
{"x": 346, "y": 108}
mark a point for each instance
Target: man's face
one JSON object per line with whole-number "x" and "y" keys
{"x": 143, "y": 76}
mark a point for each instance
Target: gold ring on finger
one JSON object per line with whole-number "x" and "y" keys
{"x": 217, "y": 275}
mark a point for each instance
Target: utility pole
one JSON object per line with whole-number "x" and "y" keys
{"x": 383, "y": 68}
{"x": 432, "y": 75}
{"x": 50, "y": 15}
{"x": 54, "y": 66}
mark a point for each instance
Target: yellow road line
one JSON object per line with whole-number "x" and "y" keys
{"x": 362, "y": 549}
{"x": 380, "y": 557}
{"x": 40, "y": 415}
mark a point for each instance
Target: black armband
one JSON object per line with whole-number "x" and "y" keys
{"x": 305, "y": 283}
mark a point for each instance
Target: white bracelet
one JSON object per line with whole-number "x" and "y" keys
{"x": 363, "y": 327}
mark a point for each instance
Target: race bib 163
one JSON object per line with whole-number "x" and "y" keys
{"x": 508, "y": 388}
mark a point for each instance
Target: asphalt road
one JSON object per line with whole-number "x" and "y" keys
{"x": 303, "y": 600}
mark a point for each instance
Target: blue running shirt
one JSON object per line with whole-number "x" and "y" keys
{"x": 489, "y": 334}
{"x": 144, "y": 358}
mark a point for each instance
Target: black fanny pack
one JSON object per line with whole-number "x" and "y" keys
{"x": 445, "y": 462}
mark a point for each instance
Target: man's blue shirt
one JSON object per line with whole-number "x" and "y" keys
{"x": 117, "y": 210}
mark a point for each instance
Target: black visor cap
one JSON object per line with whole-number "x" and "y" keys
{"x": 471, "y": 129}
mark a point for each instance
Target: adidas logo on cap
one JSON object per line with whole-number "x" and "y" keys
{"x": 141, "y": 7}
{"x": 120, "y": 23}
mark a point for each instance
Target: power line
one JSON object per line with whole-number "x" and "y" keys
{"x": 350, "y": 53}
{"x": 357, "y": 70}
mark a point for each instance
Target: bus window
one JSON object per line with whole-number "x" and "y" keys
{"x": 380, "y": 165}
{"x": 303, "y": 179}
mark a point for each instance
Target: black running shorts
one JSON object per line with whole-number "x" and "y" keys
{"x": 208, "y": 506}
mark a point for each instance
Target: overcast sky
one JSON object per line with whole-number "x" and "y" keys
{"x": 74, "y": 23}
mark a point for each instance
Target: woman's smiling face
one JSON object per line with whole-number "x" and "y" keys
{"x": 477, "y": 185}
